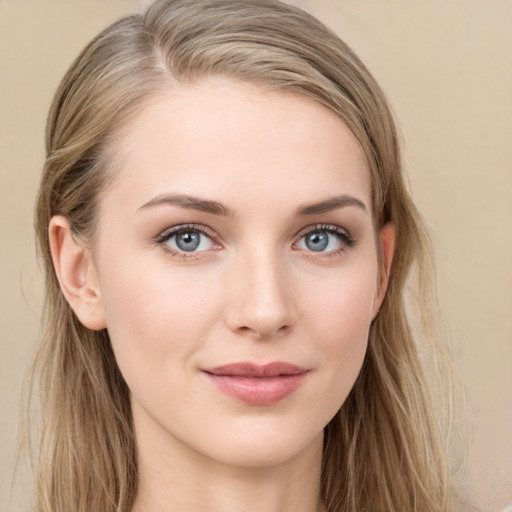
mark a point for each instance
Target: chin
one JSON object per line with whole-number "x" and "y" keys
{"x": 264, "y": 448}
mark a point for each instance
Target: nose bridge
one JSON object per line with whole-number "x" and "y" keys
{"x": 261, "y": 302}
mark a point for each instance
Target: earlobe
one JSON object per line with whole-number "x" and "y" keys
{"x": 76, "y": 274}
{"x": 387, "y": 239}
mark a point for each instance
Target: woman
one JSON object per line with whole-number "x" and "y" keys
{"x": 227, "y": 237}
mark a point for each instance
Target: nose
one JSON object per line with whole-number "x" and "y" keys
{"x": 261, "y": 302}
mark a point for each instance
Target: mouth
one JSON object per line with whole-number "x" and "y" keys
{"x": 256, "y": 384}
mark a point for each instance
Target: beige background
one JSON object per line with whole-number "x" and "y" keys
{"x": 447, "y": 68}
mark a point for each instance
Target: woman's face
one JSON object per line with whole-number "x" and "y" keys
{"x": 236, "y": 262}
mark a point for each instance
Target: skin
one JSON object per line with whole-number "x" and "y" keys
{"x": 253, "y": 291}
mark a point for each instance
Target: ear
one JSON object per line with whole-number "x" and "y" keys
{"x": 76, "y": 273}
{"x": 387, "y": 238}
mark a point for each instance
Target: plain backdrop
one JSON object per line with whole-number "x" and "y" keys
{"x": 446, "y": 66}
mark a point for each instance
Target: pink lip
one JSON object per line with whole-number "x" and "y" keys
{"x": 257, "y": 384}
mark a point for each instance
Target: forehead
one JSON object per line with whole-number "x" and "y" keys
{"x": 221, "y": 137}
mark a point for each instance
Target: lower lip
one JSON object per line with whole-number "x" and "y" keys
{"x": 258, "y": 390}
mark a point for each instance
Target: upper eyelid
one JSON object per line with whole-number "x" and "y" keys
{"x": 333, "y": 228}
{"x": 173, "y": 230}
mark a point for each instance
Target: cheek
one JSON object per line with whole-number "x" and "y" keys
{"x": 156, "y": 318}
{"x": 341, "y": 305}
{"x": 339, "y": 319}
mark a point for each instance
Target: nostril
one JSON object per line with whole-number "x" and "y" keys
{"x": 264, "y": 332}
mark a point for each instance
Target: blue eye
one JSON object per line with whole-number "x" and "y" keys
{"x": 186, "y": 240}
{"x": 325, "y": 239}
{"x": 317, "y": 241}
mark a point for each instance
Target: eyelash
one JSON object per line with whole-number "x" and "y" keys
{"x": 343, "y": 236}
{"x": 166, "y": 235}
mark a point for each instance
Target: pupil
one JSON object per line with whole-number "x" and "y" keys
{"x": 188, "y": 241}
{"x": 317, "y": 241}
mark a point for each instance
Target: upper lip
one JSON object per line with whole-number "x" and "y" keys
{"x": 253, "y": 370}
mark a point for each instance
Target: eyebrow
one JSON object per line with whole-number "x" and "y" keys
{"x": 333, "y": 203}
{"x": 216, "y": 208}
{"x": 191, "y": 203}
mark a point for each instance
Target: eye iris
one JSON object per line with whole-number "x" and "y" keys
{"x": 188, "y": 241}
{"x": 317, "y": 241}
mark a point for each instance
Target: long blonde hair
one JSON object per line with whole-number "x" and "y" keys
{"x": 387, "y": 448}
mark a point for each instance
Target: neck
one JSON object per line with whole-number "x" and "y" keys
{"x": 173, "y": 477}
